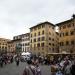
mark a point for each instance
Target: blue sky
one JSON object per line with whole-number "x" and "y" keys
{"x": 17, "y": 16}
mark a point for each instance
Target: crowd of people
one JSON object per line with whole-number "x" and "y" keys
{"x": 5, "y": 59}
{"x": 58, "y": 66}
{"x": 65, "y": 66}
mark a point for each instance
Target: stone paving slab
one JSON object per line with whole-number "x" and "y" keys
{"x": 12, "y": 69}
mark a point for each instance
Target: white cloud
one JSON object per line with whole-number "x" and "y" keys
{"x": 17, "y": 16}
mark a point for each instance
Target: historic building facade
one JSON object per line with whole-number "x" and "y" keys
{"x": 67, "y": 36}
{"x": 13, "y": 45}
{"x": 4, "y": 45}
{"x": 43, "y": 38}
{"x": 25, "y": 41}
{"x": 17, "y": 40}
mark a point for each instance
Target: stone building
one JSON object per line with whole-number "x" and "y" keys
{"x": 25, "y": 41}
{"x": 4, "y": 45}
{"x": 43, "y": 39}
{"x": 67, "y": 36}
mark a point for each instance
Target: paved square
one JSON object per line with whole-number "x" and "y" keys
{"x": 12, "y": 69}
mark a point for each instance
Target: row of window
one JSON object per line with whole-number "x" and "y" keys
{"x": 50, "y": 49}
{"x": 26, "y": 35}
{"x": 51, "y": 44}
{"x": 65, "y": 26}
{"x": 25, "y": 49}
{"x": 51, "y": 38}
{"x": 11, "y": 49}
{"x": 39, "y": 27}
{"x": 39, "y": 45}
{"x": 3, "y": 47}
{"x": 11, "y": 46}
{"x": 42, "y": 44}
{"x": 3, "y": 40}
{"x": 51, "y": 33}
{"x": 38, "y": 33}
{"x": 25, "y": 44}
{"x": 3, "y": 44}
{"x": 67, "y": 33}
{"x": 39, "y": 39}
{"x": 25, "y": 39}
{"x": 67, "y": 43}
{"x": 51, "y": 27}
{"x": 18, "y": 37}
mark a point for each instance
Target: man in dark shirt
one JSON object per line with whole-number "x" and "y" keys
{"x": 73, "y": 69}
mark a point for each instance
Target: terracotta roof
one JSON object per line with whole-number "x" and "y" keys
{"x": 14, "y": 40}
{"x": 58, "y": 24}
{"x": 43, "y": 24}
{"x": 22, "y": 34}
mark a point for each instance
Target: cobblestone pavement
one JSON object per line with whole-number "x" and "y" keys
{"x": 12, "y": 69}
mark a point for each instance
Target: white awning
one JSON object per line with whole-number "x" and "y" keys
{"x": 25, "y": 53}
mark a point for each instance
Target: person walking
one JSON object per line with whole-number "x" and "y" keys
{"x": 53, "y": 68}
{"x": 1, "y": 61}
{"x": 73, "y": 68}
{"x": 59, "y": 70}
{"x": 67, "y": 69}
{"x": 37, "y": 67}
{"x": 32, "y": 68}
{"x": 17, "y": 60}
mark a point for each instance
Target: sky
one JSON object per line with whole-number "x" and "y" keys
{"x": 17, "y": 16}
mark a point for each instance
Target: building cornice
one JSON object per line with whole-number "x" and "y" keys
{"x": 42, "y": 24}
{"x": 67, "y": 21}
